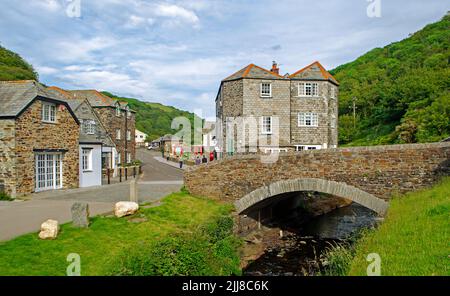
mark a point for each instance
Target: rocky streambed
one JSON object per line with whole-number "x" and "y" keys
{"x": 296, "y": 247}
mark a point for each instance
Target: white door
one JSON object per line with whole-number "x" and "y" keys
{"x": 48, "y": 171}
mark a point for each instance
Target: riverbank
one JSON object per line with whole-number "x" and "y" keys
{"x": 412, "y": 240}
{"x": 186, "y": 235}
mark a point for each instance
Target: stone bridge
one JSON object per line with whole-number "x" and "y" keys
{"x": 366, "y": 175}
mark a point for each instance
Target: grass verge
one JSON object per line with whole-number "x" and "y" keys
{"x": 413, "y": 240}
{"x": 118, "y": 245}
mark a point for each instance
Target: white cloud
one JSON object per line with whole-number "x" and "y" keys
{"x": 46, "y": 70}
{"x": 50, "y": 5}
{"x": 81, "y": 49}
{"x": 177, "y": 13}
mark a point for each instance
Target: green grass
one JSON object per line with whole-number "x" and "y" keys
{"x": 5, "y": 197}
{"x": 102, "y": 244}
{"x": 414, "y": 238}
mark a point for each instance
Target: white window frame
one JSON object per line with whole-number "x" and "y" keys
{"x": 128, "y": 157}
{"x": 118, "y": 134}
{"x": 128, "y": 135}
{"x": 261, "y": 90}
{"x": 86, "y": 159}
{"x": 89, "y": 126}
{"x": 307, "y": 147}
{"x": 333, "y": 121}
{"x": 119, "y": 160}
{"x": 303, "y": 119}
{"x": 48, "y": 112}
{"x": 272, "y": 150}
{"x": 303, "y": 86}
{"x": 332, "y": 92}
{"x": 264, "y": 131}
{"x": 44, "y": 171}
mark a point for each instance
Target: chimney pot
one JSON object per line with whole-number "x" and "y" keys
{"x": 275, "y": 68}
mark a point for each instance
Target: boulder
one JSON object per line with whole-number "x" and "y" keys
{"x": 80, "y": 214}
{"x": 49, "y": 229}
{"x": 125, "y": 208}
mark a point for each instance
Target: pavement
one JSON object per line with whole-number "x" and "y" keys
{"x": 21, "y": 217}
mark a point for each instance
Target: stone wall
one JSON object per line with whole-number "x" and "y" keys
{"x": 112, "y": 122}
{"x": 8, "y": 156}
{"x": 276, "y": 106}
{"x": 377, "y": 170}
{"x": 242, "y": 98}
{"x": 32, "y": 133}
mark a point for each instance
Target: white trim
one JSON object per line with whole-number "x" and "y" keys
{"x": 265, "y": 95}
{"x": 48, "y": 108}
{"x": 302, "y": 119}
{"x": 272, "y": 150}
{"x": 263, "y": 131}
{"x": 118, "y": 134}
{"x": 42, "y": 169}
{"x": 302, "y": 89}
{"x": 86, "y": 167}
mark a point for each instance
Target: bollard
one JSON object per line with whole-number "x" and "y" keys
{"x": 134, "y": 172}
{"x": 120, "y": 174}
{"x": 126, "y": 173}
{"x": 109, "y": 177}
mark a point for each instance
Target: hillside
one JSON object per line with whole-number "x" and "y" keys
{"x": 401, "y": 91}
{"x": 13, "y": 67}
{"x": 153, "y": 118}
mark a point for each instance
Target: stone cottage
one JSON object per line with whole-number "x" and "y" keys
{"x": 39, "y": 140}
{"x": 96, "y": 146}
{"x": 300, "y": 109}
{"x": 117, "y": 118}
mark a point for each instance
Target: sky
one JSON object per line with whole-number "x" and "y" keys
{"x": 177, "y": 52}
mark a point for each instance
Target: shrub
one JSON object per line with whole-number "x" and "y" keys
{"x": 338, "y": 259}
{"x": 4, "y": 196}
{"x": 211, "y": 250}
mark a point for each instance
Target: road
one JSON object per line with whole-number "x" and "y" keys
{"x": 21, "y": 217}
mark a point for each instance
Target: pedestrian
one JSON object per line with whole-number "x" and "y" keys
{"x": 211, "y": 156}
{"x": 204, "y": 159}
{"x": 197, "y": 160}
{"x": 181, "y": 162}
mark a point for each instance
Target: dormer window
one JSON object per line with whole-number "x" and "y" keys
{"x": 266, "y": 90}
{"x": 117, "y": 110}
{"x": 48, "y": 112}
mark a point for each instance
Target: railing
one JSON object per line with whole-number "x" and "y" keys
{"x": 123, "y": 173}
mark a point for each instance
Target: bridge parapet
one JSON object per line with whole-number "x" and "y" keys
{"x": 377, "y": 170}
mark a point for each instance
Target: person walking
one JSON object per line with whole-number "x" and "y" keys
{"x": 180, "y": 159}
{"x": 204, "y": 159}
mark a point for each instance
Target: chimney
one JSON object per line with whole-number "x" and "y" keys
{"x": 275, "y": 68}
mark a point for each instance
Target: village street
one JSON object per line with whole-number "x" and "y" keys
{"x": 21, "y": 217}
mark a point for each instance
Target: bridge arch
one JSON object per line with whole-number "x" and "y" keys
{"x": 312, "y": 184}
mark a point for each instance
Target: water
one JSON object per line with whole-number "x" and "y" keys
{"x": 299, "y": 253}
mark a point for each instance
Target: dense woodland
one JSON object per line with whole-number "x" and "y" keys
{"x": 153, "y": 118}
{"x": 401, "y": 91}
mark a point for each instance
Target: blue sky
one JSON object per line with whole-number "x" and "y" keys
{"x": 176, "y": 52}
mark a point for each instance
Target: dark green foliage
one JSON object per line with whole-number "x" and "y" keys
{"x": 13, "y": 67}
{"x": 211, "y": 250}
{"x": 4, "y": 196}
{"x": 155, "y": 119}
{"x": 401, "y": 91}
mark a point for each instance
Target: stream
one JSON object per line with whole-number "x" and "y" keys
{"x": 300, "y": 249}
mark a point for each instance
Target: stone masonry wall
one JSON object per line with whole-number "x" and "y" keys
{"x": 112, "y": 123}
{"x": 326, "y": 109}
{"x": 378, "y": 170}
{"x": 276, "y": 106}
{"x": 8, "y": 156}
{"x": 32, "y": 133}
{"x": 231, "y": 100}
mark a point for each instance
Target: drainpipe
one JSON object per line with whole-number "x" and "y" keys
{"x": 126, "y": 135}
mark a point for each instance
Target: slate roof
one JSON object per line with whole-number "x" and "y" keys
{"x": 314, "y": 71}
{"x": 253, "y": 71}
{"x": 15, "y": 96}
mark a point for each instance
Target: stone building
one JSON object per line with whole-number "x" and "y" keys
{"x": 39, "y": 140}
{"x": 97, "y": 149}
{"x": 289, "y": 112}
{"x": 117, "y": 118}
